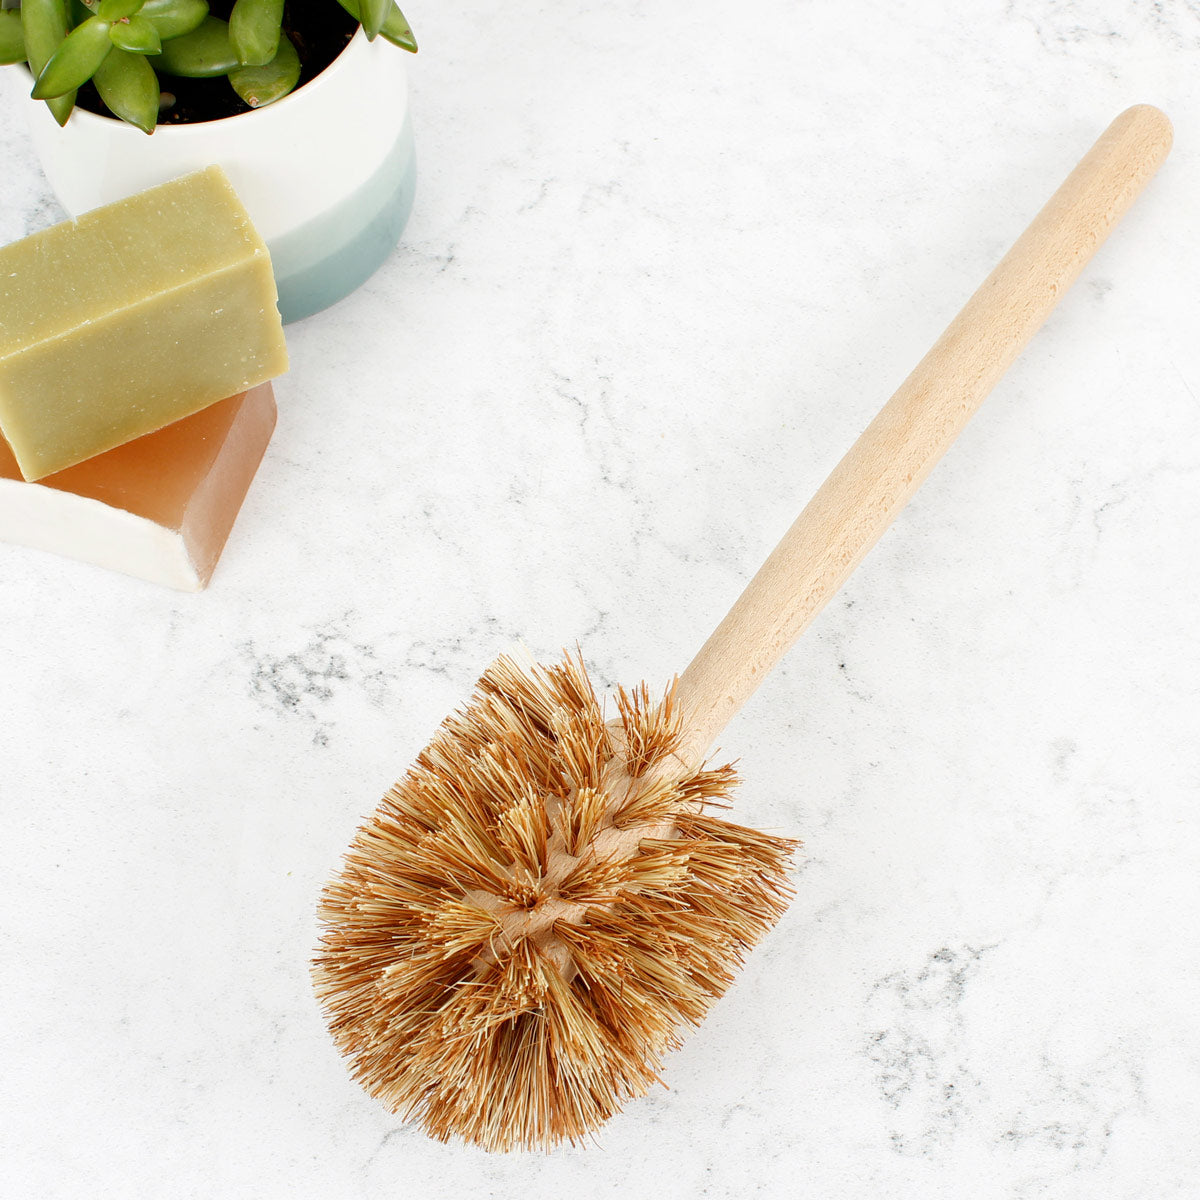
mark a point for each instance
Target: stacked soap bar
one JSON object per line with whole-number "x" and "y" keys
{"x": 159, "y": 507}
{"x": 121, "y": 324}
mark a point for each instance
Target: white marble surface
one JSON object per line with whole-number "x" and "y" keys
{"x": 664, "y": 264}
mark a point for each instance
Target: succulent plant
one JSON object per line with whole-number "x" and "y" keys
{"x": 122, "y": 46}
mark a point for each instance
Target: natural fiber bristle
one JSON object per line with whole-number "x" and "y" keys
{"x": 538, "y": 910}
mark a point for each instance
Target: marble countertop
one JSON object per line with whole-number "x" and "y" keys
{"x": 664, "y": 265}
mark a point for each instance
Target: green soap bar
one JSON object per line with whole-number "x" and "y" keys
{"x": 131, "y": 317}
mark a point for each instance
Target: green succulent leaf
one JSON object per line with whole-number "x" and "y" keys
{"x": 137, "y": 35}
{"x": 12, "y": 39}
{"x": 45, "y": 24}
{"x": 127, "y": 84}
{"x": 254, "y": 29}
{"x": 372, "y": 13}
{"x": 76, "y": 60}
{"x": 116, "y": 10}
{"x": 395, "y": 28}
{"x": 174, "y": 18}
{"x": 264, "y": 85}
{"x": 201, "y": 54}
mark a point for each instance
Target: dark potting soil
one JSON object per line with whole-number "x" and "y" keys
{"x": 319, "y": 29}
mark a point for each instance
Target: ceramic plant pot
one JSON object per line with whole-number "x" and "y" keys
{"x": 327, "y": 173}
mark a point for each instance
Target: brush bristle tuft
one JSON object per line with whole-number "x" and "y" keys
{"x": 538, "y": 910}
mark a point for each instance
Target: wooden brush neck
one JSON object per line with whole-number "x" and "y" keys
{"x": 887, "y": 464}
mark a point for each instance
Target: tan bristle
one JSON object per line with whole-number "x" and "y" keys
{"x": 649, "y": 801}
{"x": 651, "y": 729}
{"x": 538, "y": 910}
{"x": 594, "y": 880}
{"x": 580, "y": 818}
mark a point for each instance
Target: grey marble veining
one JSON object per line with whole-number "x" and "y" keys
{"x": 663, "y": 266}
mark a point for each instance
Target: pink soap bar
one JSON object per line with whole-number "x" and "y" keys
{"x": 159, "y": 507}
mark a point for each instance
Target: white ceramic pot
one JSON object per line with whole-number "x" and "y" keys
{"x": 327, "y": 173}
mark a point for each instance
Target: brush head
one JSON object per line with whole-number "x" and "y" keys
{"x": 538, "y": 910}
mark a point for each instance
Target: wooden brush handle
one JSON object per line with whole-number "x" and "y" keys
{"x": 915, "y": 428}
